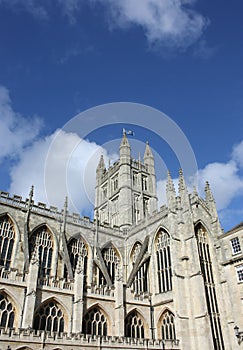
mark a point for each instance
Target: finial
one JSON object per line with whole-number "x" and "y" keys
{"x": 31, "y": 194}
{"x": 66, "y": 203}
{"x": 181, "y": 180}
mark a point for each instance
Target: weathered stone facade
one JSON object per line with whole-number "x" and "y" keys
{"x": 134, "y": 278}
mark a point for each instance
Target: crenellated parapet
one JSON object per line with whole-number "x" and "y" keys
{"x": 34, "y": 339}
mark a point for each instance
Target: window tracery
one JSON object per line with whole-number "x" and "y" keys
{"x": 6, "y": 312}
{"x": 134, "y": 326}
{"x": 210, "y": 291}
{"x": 140, "y": 284}
{"x": 164, "y": 268}
{"x": 6, "y": 241}
{"x": 111, "y": 260}
{"x": 49, "y": 317}
{"x": 43, "y": 240}
{"x": 76, "y": 248}
{"x": 95, "y": 322}
{"x": 168, "y": 326}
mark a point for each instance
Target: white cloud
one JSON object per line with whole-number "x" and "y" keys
{"x": 226, "y": 180}
{"x": 16, "y": 131}
{"x": 237, "y": 153}
{"x": 171, "y": 22}
{"x": 60, "y": 164}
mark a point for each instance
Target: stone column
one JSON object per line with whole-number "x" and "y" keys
{"x": 119, "y": 304}
{"x": 78, "y": 296}
{"x": 28, "y": 310}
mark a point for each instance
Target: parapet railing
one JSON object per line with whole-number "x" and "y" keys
{"x": 52, "y": 282}
{"x": 101, "y": 290}
{"x": 11, "y": 274}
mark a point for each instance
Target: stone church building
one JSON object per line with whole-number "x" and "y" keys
{"x": 133, "y": 278}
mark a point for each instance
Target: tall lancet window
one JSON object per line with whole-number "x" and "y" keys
{"x": 42, "y": 239}
{"x": 140, "y": 284}
{"x": 164, "y": 271}
{"x": 210, "y": 291}
{"x": 6, "y": 241}
{"x": 77, "y": 248}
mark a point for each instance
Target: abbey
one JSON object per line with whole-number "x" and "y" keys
{"x": 133, "y": 278}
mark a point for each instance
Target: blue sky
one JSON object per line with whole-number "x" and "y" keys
{"x": 183, "y": 58}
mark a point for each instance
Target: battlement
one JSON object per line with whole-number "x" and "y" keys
{"x": 42, "y": 209}
{"x": 73, "y": 341}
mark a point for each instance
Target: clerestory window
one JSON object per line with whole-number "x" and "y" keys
{"x": 6, "y": 241}
{"x": 140, "y": 284}
{"x": 42, "y": 240}
{"x": 164, "y": 269}
{"x": 76, "y": 248}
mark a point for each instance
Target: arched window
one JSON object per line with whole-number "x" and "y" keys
{"x": 162, "y": 245}
{"x": 210, "y": 291}
{"x": 49, "y": 317}
{"x": 140, "y": 284}
{"x": 6, "y": 312}
{"x": 111, "y": 260}
{"x": 76, "y": 248}
{"x": 168, "y": 326}
{"x": 42, "y": 239}
{"x": 95, "y": 322}
{"x": 6, "y": 241}
{"x": 134, "y": 326}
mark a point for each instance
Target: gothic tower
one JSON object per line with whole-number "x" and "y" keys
{"x": 126, "y": 191}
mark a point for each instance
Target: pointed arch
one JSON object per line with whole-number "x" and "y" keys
{"x": 134, "y": 251}
{"x": 7, "y": 311}
{"x": 50, "y": 316}
{"x": 13, "y": 299}
{"x": 111, "y": 244}
{"x": 77, "y": 247}
{"x": 160, "y": 228}
{"x": 43, "y": 238}
{"x": 140, "y": 283}
{"x": 15, "y": 223}
{"x": 95, "y": 321}
{"x": 7, "y": 240}
{"x": 166, "y": 325}
{"x": 201, "y": 223}
{"x": 202, "y": 238}
{"x": 163, "y": 257}
{"x": 135, "y": 325}
{"x": 112, "y": 258}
